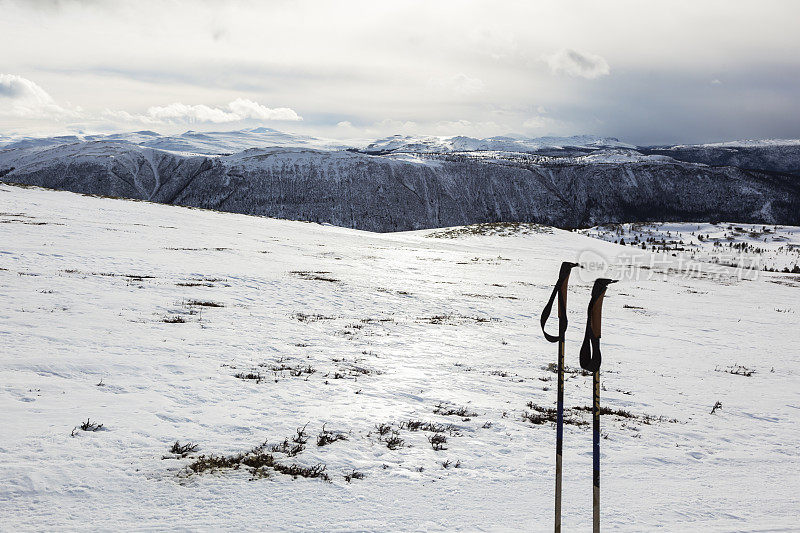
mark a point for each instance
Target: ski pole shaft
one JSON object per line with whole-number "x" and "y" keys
{"x": 559, "y": 433}
{"x": 596, "y": 454}
{"x": 590, "y": 359}
{"x": 559, "y": 293}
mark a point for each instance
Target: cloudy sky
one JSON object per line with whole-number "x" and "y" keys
{"x": 645, "y": 72}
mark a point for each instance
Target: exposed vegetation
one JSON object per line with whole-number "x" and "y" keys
{"x": 254, "y": 376}
{"x": 314, "y": 275}
{"x": 445, "y": 410}
{"x": 393, "y": 440}
{"x": 182, "y": 450}
{"x": 542, "y": 415}
{"x": 326, "y": 437}
{"x": 353, "y": 475}
{"x": 736, "y": 370}
{"x": 438, "y": 440}
{"x": 499, "y": 229}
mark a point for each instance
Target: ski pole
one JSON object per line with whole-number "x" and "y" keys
{"x": 590, "y": 361}
{"x": 559, "y": 290}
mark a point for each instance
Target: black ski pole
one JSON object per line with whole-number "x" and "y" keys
{"x": 559, "y": 290}
{"x": 590, "y": 360}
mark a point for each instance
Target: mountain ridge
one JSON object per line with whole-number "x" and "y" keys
{"x": 396, "y": 190}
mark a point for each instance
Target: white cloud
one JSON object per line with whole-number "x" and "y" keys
{"x": 344, "y": 124}
{"x": 20, "y": 97}
{"x": 572, "y": 63}
{"x": 179, "y": 113}
{"x": 248, "y": 109}
{"x": 124, "y": 116}
{"x": 23, "y": 98}
{"x": 19, "y": 88}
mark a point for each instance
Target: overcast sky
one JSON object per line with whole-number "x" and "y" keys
{"x": 645, "y": 72}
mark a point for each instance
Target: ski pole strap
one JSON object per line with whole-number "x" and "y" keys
{"x": 590, "y": 350}
{"x": 559, "y": 290}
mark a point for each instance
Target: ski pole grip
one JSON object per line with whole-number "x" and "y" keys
{"x": 597, "y": 314}
{"x": 562, "y": 297}
{"x": 590, "y": 356}
{"x": 559, "y": 291}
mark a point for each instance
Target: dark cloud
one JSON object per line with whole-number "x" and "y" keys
{"x": 665, "y": 107}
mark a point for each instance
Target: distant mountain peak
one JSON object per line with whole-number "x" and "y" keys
{"x": 262, "y": 129}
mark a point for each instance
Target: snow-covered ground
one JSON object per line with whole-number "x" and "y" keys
{"x": 140, "y": 316}
{"x": 748, "y": 247}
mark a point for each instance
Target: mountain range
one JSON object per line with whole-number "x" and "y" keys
{"x": 410, "y": 182}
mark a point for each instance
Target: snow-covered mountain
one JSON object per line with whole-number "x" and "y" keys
{"x": 407, "y": 143}
{"x": 773, "y": 155}
{"x": 228, "y": 142}
{"x": 401, "y": 189}
{"x": 746, "y": 143}
{"x": 230, "y": 333}
{"x": 189, "y": 142}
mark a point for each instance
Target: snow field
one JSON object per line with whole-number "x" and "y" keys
{"x": 108, "y": 315}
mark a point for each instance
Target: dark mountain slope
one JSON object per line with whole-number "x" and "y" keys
{"x": 412, "y": 191}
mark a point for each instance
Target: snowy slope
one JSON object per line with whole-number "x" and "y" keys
{"x": 102, "y": 319}
{"x": 110, "y": 168}
{"x": 411, "y": 143}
